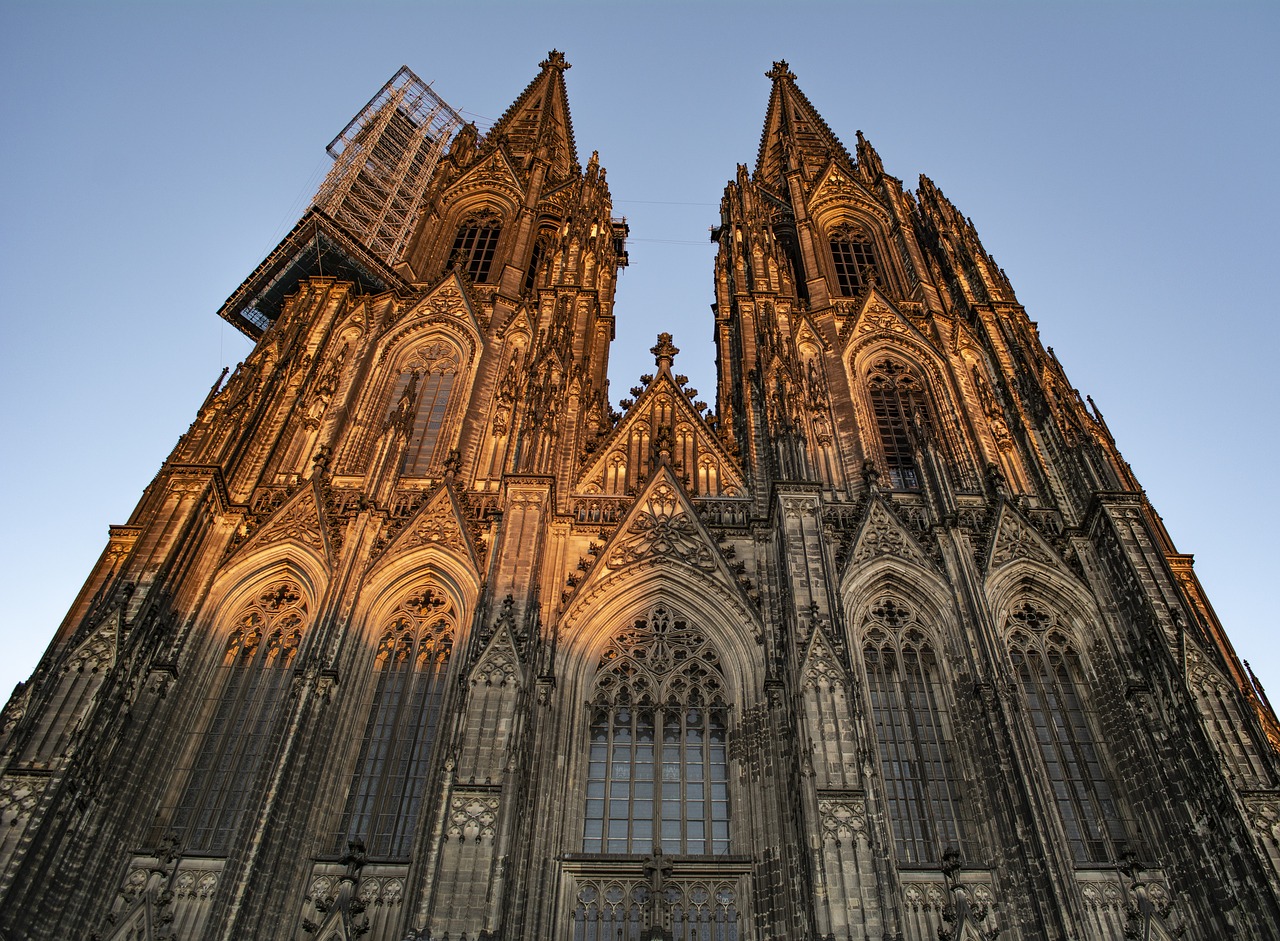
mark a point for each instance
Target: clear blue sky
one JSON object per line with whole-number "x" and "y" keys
{"x": 1118, "y": 159}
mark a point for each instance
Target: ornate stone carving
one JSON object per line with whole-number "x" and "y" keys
{"x": 436, "y": 525}
{"x": 299, "y": 521}
{"x": 1264, "y": 814}
{"x": 195, "y": 883}
{"x": 882, "y": 534}
{"x": 19, "y": 794}
{"x": 843, "y": 818}
{"x": 472, "y": 816}
{"x": 96, "y": 653}
{"x": 499, "y": 664}
{"x": 1015, "y": 540}
{"x": 663, "y": 529}
{"x": 822, "y": 667}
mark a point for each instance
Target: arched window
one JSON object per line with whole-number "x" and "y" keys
{"x": 430, "y": 378}
{"x": 474, "y": 245}
{"x": 657, "y": 774}
{"x": 540, "y": 253}
{"x": 897, "y": 402}
{"x": 1219, "y": 704}
{"x": 391, "y": 775}
{"x": 786, "y": 237}
{"x": 854, "y": 256}
{"x": 905, "y": 687}
{"x": 1051, "y": 678}
{"x": 255, "y": 677}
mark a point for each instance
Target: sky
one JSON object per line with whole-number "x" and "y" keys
{"x": 1118, "y": 160}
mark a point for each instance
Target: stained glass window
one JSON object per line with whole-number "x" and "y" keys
{"x": 897, "y": 401}
{"x": 391, "y": 776}
{"x": 907, "y": 709}
{"x": 657, "y": 773}
{"x": 435, "y": 367}
{"x": 252, "y": 691}
{"x": 853, "y": 254}
{"x": 1051, "y": 677}
{"x": 473, "y": 248}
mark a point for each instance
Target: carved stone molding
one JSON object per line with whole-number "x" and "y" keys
{"x": 843, "y": 818}
{"x": 662, "y": 529}
{"x": 473, "y": 816}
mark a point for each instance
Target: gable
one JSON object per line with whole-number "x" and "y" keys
{"x": 1015, "y": 540}
{"x": 877, "y": 316}
{"x": 663, "y": 418}
{"x": 883, "y": 534}
{"x": 439, "y": 523}
{"x": 450, "y": 304}
{"x": 662, "y": 528}
{"x": 298, "y": 521}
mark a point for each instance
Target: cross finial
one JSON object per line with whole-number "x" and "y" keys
{"x": 665, "y": 351}
{"x": 554, "y": 60}
{"x": 780, "y": 70}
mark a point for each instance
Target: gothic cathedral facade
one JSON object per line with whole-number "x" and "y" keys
{"x": 414, "y": 636}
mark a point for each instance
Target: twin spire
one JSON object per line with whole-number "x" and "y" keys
{"x": 538, "y": 122}
{"x": 795, "y": 136}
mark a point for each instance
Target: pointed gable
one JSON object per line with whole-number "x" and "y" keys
{"x": 498, "y": 663}
{"x": 663, "y": 420}
{"x": 450, "y": 303}
{"x": 439, "y": 522}
{"x": 662, "y": 528}
{"x": 299, "y": 521}
{"x": 883, "y": 534}
{"x": 1015, "y": 540}
{"x": 836, "y": 184}
{"x": 877, "y": 316}
{"x": 794, "y": 133}
{"x": 538, "y": 121}
{"x": 822, "y": 666}
{"x": 498, "y": 169}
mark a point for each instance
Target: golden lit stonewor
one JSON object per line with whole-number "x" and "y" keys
{"x": 415, "y": 636}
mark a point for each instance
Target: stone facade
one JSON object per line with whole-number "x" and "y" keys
{"x": 414, "y": 636}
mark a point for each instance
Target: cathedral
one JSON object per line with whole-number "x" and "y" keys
{"x": 415, "y": 636}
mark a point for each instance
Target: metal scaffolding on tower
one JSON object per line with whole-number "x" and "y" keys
{"x": 384, "y": 159}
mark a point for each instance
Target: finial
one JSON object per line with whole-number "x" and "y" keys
{"x": 665, "y": 351}
{"x": 780, "y": 70}
{"x": 554, "y": 60}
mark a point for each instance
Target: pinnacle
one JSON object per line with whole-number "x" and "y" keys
{"x": 665, "y": 351}
{"x": 554, "y": 60}
{"x": 780, "y": 70}
{"x": 539, "y": 119}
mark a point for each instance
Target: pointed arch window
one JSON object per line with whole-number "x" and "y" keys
{"x": 897, "y": 403}
{"x": 254, "y": 683}
{"x": 657, "y": 774}
{"x": 905, "y": 688}
{"x": 854, "y": 256}
{"x": 390, "y": 781}
{"x": 475, "y": 244}
{"x": 1051, "y": 678}
{"x": 429, "y": 380}
{"x": 540, "y": 253}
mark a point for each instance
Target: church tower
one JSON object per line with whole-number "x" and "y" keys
{"x": 414, "y": 637}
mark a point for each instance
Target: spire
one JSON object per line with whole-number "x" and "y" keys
{"x": 868, "y": 160}
{"x": 538, "y": 121}
{"x": 794, "y": 133}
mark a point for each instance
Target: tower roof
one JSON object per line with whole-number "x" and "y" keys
{"x": 538, "y": 121}
{"x": 794, "y": 132}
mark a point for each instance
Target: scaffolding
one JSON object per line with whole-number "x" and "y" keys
{"x": 317, "y": 246}
{"x": 384, "y": 159}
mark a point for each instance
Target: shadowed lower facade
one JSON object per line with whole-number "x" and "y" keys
{"x": 414, "y": 636}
